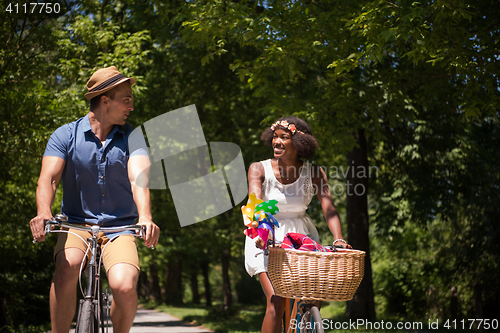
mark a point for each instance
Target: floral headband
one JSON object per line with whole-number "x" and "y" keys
{"x": 288, "y": 126}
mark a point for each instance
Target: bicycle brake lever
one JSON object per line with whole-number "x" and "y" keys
{"x": 47, "y": 228}
{"x": 47, "y": 224}
{"x": 61, "y": 218}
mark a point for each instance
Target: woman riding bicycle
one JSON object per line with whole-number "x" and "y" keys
{"x": 293, "y": 182}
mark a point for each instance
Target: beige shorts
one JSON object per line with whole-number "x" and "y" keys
{"x": 122, "y": 249}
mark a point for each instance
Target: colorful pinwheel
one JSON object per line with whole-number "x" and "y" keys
{"x": 258, "y": 217}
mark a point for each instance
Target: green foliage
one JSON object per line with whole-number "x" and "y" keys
{"x": 26, "y": 107}
{"x": 460, "y": 36}
{"x": 432, "y": 227}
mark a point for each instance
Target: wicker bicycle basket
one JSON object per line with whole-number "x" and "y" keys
{"x": 325, "y": 276}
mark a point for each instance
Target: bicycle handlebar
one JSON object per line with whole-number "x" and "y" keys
{"x": 62, "y": 221}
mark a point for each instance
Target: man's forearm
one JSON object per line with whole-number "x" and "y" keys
{"x": 45, "y": 194}
{"x": 142, "y": 200}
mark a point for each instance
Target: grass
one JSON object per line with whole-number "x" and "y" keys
{"x": 237, "y": 319}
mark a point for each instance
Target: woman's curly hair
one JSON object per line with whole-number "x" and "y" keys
{"x": 304, "y": 142}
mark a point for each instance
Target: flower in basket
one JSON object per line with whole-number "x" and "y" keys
{"x": 258, "y": 217}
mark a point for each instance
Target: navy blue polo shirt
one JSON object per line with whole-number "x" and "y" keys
{"x": 96, "y": 187}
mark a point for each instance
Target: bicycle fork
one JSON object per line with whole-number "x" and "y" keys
{"x": 91, "y": 292}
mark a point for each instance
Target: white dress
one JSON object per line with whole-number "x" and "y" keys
{"x": 293, "y": 200}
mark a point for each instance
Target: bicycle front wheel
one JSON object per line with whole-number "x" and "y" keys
{"x": 85, "y": 318}
{"x": 311, "y": 321}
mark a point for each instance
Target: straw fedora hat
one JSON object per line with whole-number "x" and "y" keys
{"x": 105, "y": 79}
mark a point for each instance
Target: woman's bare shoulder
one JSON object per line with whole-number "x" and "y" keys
{"x": 257, "y": 166}
{"x": 256, "y": 169}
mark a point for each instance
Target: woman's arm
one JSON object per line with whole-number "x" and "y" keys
{"x": 325, "y": 198}
{"x": 255, "y": 179}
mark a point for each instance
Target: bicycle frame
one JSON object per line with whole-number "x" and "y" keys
{"x": 93, "y": 292}
{"x": 91, "y": 305}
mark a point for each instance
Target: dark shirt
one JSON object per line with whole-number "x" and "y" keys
{"x": 96, "y": 187}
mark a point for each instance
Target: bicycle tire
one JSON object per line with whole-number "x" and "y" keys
{"x": 311, "y": 321}
{"x": 85, "y": 320}
{"x": 105, "y": 306}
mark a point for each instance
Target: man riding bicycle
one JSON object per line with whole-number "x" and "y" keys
{"x": 91, "y": 156}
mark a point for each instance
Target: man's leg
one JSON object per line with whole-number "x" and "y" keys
{"x": 123, "y": 282}
{"x": 63, "y": 289}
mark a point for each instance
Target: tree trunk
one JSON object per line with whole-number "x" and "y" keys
{"x": 478, "y": 301}
{"x": 362, "y": 306}
{"x": 454, "y": 303}
{"x": 206, "y": 282}
{"x": 142, "y": 285}
{"x": 173, "y": 288}
{"x": 154, "y": 284}
{"x": 194, "y": 287}
{"x": 228, "y": 298}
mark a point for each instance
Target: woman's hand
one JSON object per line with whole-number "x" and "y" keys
{"x": 343, "y": 243}
{"x": 260, "y": 243}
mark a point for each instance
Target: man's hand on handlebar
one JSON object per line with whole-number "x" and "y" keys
{"x": 152, "y": 232}
{"x": 37, "y": 226}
